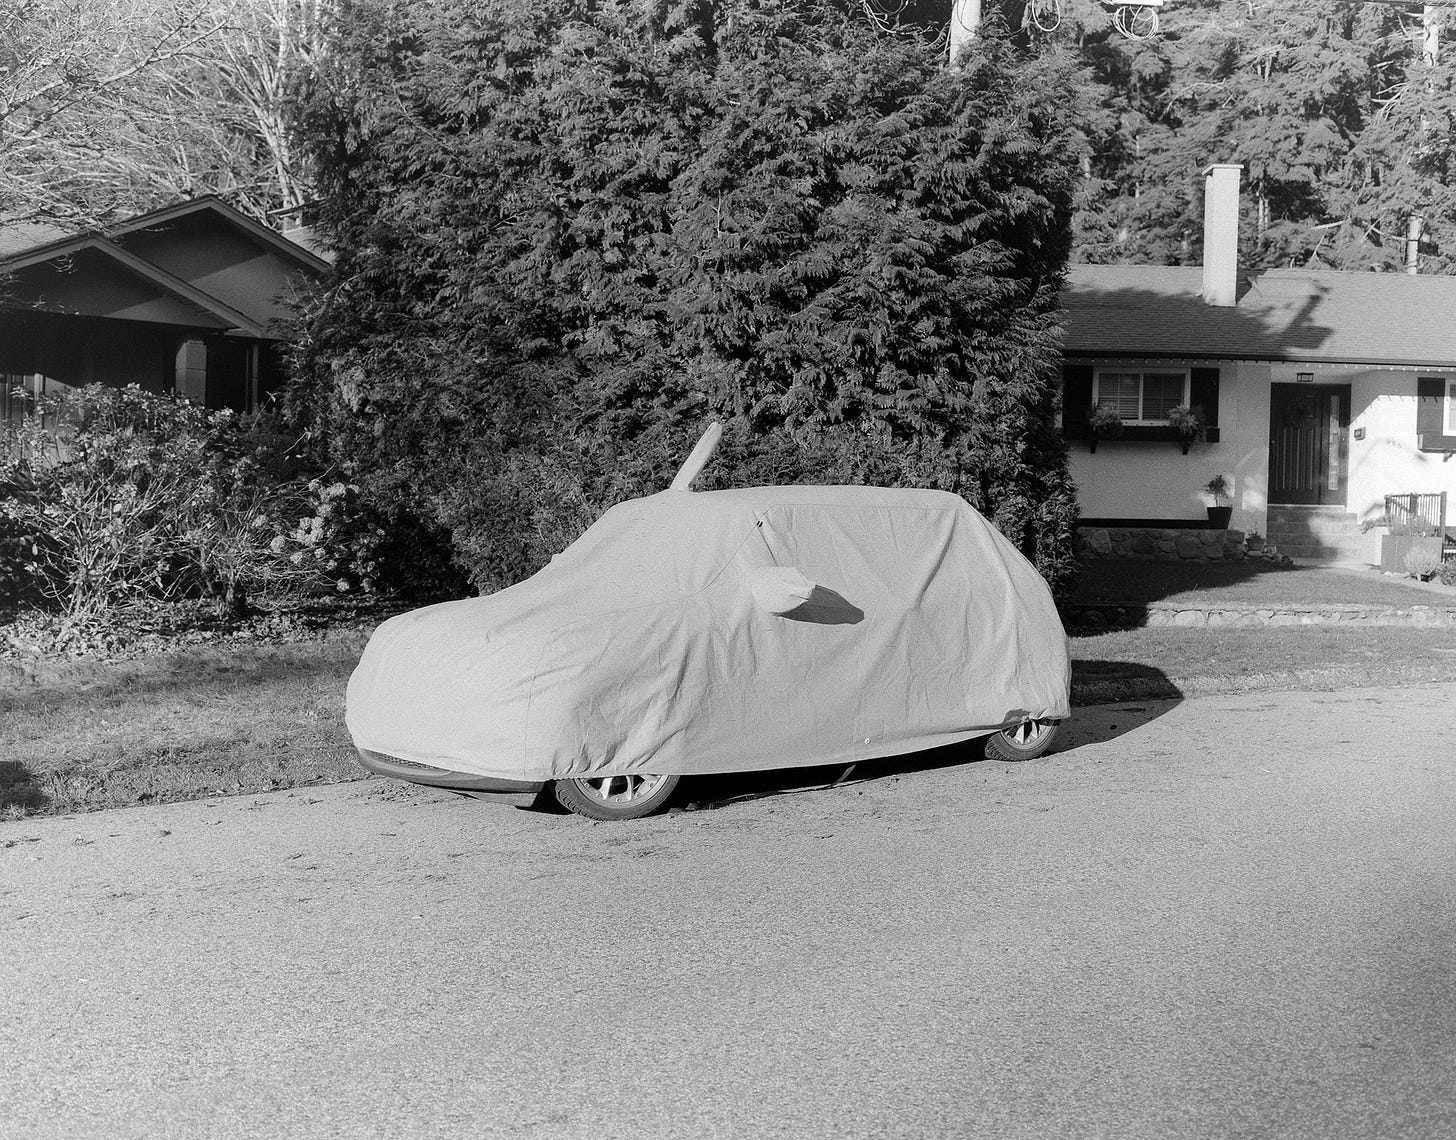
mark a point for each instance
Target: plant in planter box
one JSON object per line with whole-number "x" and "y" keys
{"x": 1105, "y": 422}
{"x": 1422, "y": 563}
{"x": 1222, "y": 510}
{"x": 1412, "y": 547}
{"x": 1188, "y": 423}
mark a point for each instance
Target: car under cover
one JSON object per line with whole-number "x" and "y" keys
{"x": 642, "y": 647}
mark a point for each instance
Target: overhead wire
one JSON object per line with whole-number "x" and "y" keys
{"x": 1136, "y": 21}
{"x": 1044, "y": 15}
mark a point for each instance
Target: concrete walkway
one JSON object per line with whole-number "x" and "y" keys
{"x": 1439, "y": 611}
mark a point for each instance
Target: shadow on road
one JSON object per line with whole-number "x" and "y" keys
{"x": 698, "y": 793}
{"x": 1126, "y": 709}
{"x": 1098, "y": 682}
{"x": 19, "y": 789}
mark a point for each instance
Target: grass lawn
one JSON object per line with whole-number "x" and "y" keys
{"x": 238, "y": 719}
{"x": 215, "y": 720}
{"x": 1248, "y": 583}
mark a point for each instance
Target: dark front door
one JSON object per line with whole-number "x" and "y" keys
{"x": 1308, "y": 443}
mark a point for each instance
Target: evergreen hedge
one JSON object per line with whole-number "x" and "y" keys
{"x": 571, "y": 234}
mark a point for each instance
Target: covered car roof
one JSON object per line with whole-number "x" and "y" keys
{"x": 641, "y": 648}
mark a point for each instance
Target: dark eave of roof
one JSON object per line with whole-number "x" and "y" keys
{"x": 144, "y": 269}
{"x": 20, "y": 252}
{"x": 212, "y": 203}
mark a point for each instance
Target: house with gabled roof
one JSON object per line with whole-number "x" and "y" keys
{"x": 1320, "y": 392}
{"x": 187, "y": 299}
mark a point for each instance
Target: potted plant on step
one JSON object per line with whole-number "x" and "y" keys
{"x": 1188, "y": 423}
{"x": 1222, "y": 510}
{"x": 1105, "y": 423}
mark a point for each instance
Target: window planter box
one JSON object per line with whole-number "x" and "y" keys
{"x": 1428, "y": 441}
{"x": 1156, "y": 433}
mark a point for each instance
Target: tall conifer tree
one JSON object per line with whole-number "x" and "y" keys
{"x": 572, "y": 233}
{"x": 1342, "y": 129}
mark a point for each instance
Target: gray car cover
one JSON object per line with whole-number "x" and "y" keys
{"x": 725, "y": 631}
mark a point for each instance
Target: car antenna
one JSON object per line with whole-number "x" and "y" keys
{"x": 698, "y": 458}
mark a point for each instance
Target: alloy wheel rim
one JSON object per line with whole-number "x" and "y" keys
{"x": 622, "y": 789}
{"x": 1028, "y": 732}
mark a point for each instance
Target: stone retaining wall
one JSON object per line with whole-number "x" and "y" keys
{"x": 1167, "y": 613}
{"x": 1150, "y": 544}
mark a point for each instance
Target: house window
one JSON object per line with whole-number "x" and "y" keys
{"x": 1451, "y": 408}
{"x": 1142, "y": 397}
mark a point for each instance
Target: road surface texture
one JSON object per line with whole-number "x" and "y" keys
{"x": 1229, "y": 917}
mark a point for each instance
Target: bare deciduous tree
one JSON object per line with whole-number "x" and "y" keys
{"x": 109, "y": 107}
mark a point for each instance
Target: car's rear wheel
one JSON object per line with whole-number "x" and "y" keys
{"x": 1026, "y": 741}
{"x": 616, "y": 797}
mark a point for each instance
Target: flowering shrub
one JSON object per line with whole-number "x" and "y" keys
{"x": 110, "y": 495}
{"x": 332, "y": 537}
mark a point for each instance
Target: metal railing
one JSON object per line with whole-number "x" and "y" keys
{"x": 1421, "y": 514}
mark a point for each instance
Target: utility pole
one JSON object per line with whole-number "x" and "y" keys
{"x": 965, "y": 18}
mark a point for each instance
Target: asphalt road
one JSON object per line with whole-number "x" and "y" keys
{"x": 1230, "y": 917}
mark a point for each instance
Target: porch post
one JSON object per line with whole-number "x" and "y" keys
{"x": 251, "y": 396}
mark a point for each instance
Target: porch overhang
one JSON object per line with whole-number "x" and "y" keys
{"x": 230, "y": 320}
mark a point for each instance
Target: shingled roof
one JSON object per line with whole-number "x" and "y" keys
{"x": 20, "y": 237}
{"x": 1298, "y": 315}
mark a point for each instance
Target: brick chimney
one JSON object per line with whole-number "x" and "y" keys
{"x": 1221, "y": 233}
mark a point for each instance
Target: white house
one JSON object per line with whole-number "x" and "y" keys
{"x": 1322, "y": 391}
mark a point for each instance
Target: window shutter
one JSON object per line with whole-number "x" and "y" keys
{"x": 1076, "y": 399}
{"x": 1203, "y": 393}
{"x": 1430, "y": 402}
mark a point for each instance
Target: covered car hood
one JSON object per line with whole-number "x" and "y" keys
{"x": 641, "y": 647}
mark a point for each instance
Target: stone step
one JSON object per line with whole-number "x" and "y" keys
{"x": 1302, "y": 554}
{"x": 1328, "y": 532}
{"x": 1342, "y": 521}
{"x": 1305, "y": 551}
{"x": 1316, "y": 528}
{"x": 1346, "y": 538}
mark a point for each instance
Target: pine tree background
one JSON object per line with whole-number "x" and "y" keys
{"x": 1343, "y": 128}
{"x": 571, "y": 234}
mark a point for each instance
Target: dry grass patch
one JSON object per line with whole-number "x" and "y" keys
{"x": 176, "y": 726}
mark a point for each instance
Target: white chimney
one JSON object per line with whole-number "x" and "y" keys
{"x": 1221, "y": 233}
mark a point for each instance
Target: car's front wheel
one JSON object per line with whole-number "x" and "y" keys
{"x": 1026, "y": 741}
{"x": 615, "y": 797}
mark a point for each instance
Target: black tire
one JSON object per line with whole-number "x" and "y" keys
{"x": 613, "y": 798}
{"x": 1026, "y": 741}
